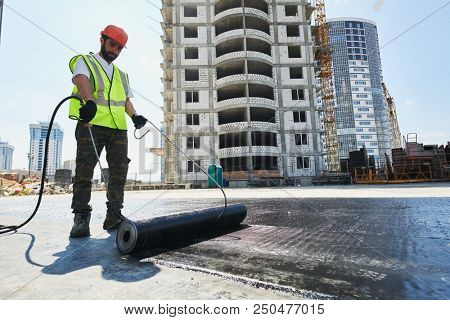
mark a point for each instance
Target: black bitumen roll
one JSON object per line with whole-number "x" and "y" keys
{"x": 134, "y": 236}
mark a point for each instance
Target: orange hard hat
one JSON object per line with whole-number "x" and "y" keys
{"x": 117, "y": 34}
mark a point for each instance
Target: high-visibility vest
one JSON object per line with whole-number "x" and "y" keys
{"x": 109, "y": 95}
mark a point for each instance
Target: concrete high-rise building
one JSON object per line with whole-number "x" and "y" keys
{"x": 38, "y": 133}
{"x": 6, "y": 156}
{"x": 361, "y": 114}
{"x": 239, "y": 89}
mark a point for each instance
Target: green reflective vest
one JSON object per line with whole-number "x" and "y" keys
{"x": 109, "y": 95}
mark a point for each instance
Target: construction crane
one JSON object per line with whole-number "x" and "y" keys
{"x": 393, "y": 121}
{"x": 323, "y": 56}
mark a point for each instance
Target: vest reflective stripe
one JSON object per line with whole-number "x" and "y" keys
{"x": 109, "y": 95}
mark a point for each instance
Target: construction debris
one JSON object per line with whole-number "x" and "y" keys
{"x": 414, "y": 163}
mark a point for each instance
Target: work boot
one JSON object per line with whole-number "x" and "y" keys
{"x": 113, "y": 219}
{"x": 81, "y": 225}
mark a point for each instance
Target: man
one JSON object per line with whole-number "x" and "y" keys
{"x": 106, "y": 93}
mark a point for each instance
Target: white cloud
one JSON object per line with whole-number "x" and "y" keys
{"x": 378, "y": 5}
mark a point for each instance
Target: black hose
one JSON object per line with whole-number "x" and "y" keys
{"x": 194, "y": 163}
{"x": 7, "y": 229}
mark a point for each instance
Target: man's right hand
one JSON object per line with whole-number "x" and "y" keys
{"x": 88, "y": 111}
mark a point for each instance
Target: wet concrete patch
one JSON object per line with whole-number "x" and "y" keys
{"x": 347, "y": 248}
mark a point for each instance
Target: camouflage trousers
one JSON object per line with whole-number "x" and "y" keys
{"x": 116, "y": 144}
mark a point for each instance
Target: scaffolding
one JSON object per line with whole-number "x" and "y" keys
{"x": 327, "y": 88}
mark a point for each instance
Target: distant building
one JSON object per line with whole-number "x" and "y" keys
{"x": 6, "y": 156}
{"x": 361, "y": 114}
{"x": 70, "y": 165}
{"x": 38, "y": 133}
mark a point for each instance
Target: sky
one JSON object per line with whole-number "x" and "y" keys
{"x": 34, "y": 72}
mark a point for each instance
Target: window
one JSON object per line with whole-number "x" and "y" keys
{"x": 193, "y": 168}
{"x": 191, "y": 53}
{"x": 301, "y": 139}
{"x": 302, "y": 116}
{"x": 193, "y": 142}
{"x": 302, "y": 162}
{"x": 292, "y": 31}
{"x": 190, "y": 32}
{"x": 299, "y": 116}
{"x": 291, "y": 11}
{"x": 192, "y": 119}
{"x": 296, "y": 73}
{"x": 298, "y": 94}
{"x": 191, "y": 96}
{"x": 190, "y": 11}
{"x": 294, "y": 52}
{"x": 191, "y": 75}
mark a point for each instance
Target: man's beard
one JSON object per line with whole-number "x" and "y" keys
{"x": 108, "y": 57}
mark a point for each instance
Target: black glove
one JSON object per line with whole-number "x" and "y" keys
{"x": 139, "y": 121}
{"x": 88, "y": 111}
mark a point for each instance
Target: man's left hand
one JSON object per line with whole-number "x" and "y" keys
{"x": 139, "y": 121}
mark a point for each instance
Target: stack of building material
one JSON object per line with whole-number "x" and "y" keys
{"x": 438, "y": 163}
{"x": 358, "y": 159}
{"x": 414, "y": 163}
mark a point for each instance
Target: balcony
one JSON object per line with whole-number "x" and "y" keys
{"x": 266, "y": 150}
{"x": 240, "y": 101}
{"x": 224, "y": 5}
{"x": 229, "y": 12}
{"x": 239, "y": 126}
{"x": 264, "y": 126}
{"x": 240, "y": 11}
{"x": 251, "y": 55}
{"x": 235, "y": 126}
{"x": 234, "y": 27}
{"x": 235, "y": 78}
{"x": 233, "y": 151}
{"x": 258, "y": 78}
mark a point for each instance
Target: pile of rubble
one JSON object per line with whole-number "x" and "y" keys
{"x": 29, "y": 186}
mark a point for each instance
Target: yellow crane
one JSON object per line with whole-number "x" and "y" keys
{"x": 326, "y": 81}
{"x": 393, "y": 121}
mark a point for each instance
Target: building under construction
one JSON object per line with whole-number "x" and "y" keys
{"x": 239, "y": 89}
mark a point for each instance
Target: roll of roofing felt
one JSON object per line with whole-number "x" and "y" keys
{"x": 134, "y": 236}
